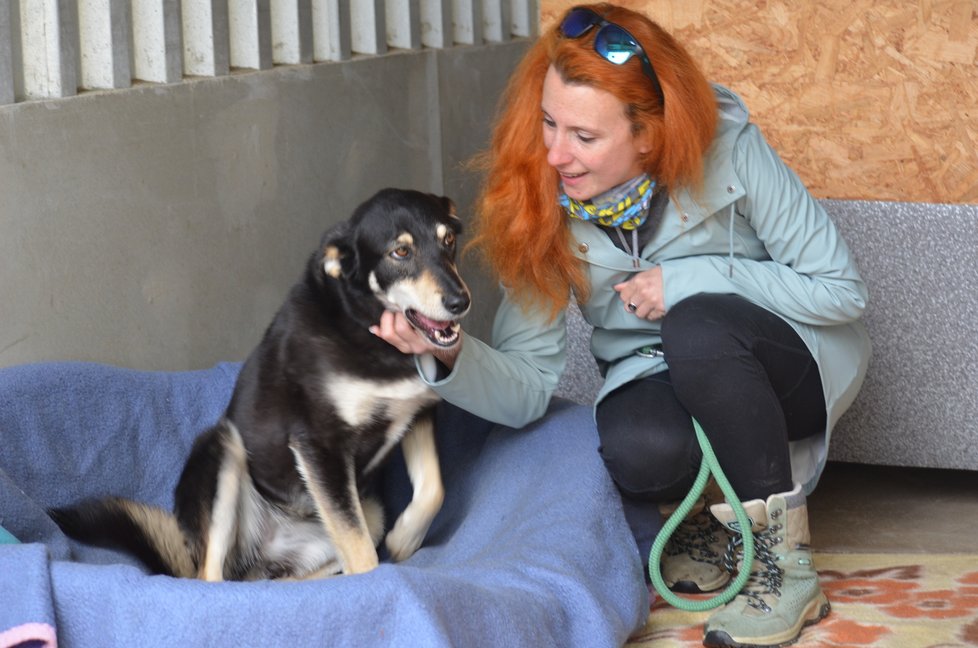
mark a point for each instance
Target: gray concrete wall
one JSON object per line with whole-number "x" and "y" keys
{"x": 160, "y": 227}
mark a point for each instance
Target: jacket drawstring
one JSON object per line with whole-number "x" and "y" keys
{"x": 634, "y": 248}
{"x": 730, "y": 242}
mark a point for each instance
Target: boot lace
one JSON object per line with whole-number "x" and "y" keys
{"x": 766, "y": 576}
{"x": 697, "y": 536}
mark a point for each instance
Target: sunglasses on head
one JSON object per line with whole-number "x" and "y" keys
{"x": 612, "y": 42}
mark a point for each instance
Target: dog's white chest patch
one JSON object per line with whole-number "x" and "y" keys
{"x": 359, "y": 401}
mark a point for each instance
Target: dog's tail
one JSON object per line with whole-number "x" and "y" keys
{"x": 147, "y": 532}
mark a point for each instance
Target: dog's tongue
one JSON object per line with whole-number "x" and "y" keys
{"x": 431, "y": 323}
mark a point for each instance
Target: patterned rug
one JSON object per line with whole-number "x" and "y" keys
{"x": 878, "y": 600}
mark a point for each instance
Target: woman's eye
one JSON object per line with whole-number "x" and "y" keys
{"x": 586, "y": 139}
{"x": 549, "y": 123}
{"x": 401, "y": 252}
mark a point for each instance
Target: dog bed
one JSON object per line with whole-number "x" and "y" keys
{"x": 530, "y": 548}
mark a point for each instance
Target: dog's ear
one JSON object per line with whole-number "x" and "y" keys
{"x": 449, "y": 205}
{"x": 337, "y": 252}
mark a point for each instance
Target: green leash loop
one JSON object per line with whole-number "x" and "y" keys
{"x": 709, "y": 464}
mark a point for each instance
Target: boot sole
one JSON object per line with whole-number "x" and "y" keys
{"x": 814, "y": 612}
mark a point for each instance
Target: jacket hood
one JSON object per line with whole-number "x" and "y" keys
{"x": 722, "y": 186}
{"x": 732, "y": 109}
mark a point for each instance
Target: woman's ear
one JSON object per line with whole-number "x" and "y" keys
{"x": 643, "y": 142}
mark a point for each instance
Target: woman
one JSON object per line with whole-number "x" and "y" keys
{"x": 717, "y": 286}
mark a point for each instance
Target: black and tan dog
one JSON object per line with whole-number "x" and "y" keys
{"x": 275, "y": 489}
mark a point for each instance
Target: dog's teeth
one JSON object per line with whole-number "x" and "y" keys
{"x": 441, "y": 332}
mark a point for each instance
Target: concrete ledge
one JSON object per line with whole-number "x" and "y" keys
{"x": 919, "y": 404}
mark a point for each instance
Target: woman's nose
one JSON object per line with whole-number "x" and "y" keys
{"x": 557, "y": 154}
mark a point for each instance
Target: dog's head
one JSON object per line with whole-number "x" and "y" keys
{"x": 400, "y": 247}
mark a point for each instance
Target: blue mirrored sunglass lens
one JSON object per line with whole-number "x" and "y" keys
{"x": 577, "y": 22}
{"x": 618, "y": 57}
{"x": 615, "y": 45}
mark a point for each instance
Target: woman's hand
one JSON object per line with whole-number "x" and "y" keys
{"x": 396, "y": 330}
{"x": 642, "y": 294}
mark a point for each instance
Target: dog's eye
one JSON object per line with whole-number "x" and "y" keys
{"x": 449, "y": 239}
{"x": 401, "y": 252}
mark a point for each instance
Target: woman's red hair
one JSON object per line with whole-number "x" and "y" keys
{"x": 520, "y": 228}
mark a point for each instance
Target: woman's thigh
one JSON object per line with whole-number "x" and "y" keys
{"x": 734, "y": 360}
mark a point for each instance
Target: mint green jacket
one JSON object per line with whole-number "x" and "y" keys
{"x": 753, "y": 230}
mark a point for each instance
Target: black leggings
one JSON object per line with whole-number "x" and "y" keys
{"x": 748, "y": 379}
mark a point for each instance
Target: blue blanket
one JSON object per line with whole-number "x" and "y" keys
{"x": 530, "y": 549}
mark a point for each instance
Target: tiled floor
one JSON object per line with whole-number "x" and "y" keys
{"x": 861, "y": 508}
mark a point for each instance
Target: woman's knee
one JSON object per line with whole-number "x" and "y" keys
{"x": 704, "y": 325}
{"x": 647, "y": 462}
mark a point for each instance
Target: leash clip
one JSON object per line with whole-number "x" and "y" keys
{"x": 651, "y": 351}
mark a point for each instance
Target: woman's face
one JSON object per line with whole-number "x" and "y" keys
{"x": 588, "y": 137}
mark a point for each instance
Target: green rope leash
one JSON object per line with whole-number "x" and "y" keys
{"x": 709, "y": 464}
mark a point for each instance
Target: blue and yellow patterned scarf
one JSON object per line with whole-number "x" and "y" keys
{"x": 625, "y": 206}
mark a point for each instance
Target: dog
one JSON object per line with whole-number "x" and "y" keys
{"x": 276, "y": 489}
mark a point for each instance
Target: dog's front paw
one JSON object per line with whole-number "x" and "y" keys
{"x": 412, "y": 527}
{"x": 404, "y": 539}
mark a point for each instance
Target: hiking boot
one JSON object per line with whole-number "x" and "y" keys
{"x": 692, "y": 560}
{"x": 782, "y": 595}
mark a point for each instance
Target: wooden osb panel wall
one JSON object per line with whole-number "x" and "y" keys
{"x": 865, "y": 99}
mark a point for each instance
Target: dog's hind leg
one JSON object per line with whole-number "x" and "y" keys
{"x": 421, "y": 458}
{"x": 223, "y": 523}
{"x": 340, "y": 510}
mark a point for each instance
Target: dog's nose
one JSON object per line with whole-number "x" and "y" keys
{"x": 456, "y": 304}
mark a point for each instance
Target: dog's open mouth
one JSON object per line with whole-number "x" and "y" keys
{"x": 441, "y": 333}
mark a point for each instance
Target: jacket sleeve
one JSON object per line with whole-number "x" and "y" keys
{"x": 811, "y": 276}
{"x": 511, "y": 381}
